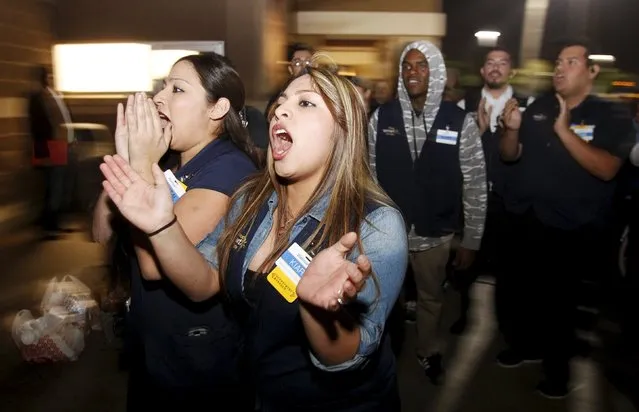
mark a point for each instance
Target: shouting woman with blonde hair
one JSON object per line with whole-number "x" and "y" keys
{"x": 311, "y": 255}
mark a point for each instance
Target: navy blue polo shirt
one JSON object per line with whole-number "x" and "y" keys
{"x": 549, "y": 180}
{"x": 220, "y": 166}
{"x": 162, "y": 315}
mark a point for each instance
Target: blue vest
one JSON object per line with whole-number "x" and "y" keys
{"x": 428, "y": 191}
{"x": 277, "y": 350}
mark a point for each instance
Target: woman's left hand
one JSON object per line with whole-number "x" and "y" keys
{"x": 147, "y": 141}
{"x": 331, "y": 280}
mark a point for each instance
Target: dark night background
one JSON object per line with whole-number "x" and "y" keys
{"x": 612, "y": 27}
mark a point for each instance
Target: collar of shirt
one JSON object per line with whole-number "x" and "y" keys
{"x": 212, "y": 150}
{"x": 497, "y": 104}
{"x": 317, "y": 211}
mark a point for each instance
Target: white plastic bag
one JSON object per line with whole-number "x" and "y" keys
{"x": 72, "y": 300}
{"x": 58, "y": 290}
{"x": 46, "y": 339}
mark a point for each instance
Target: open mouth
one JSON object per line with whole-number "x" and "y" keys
{"x": 164, "y": 119}
{"x": 281, "y": 142}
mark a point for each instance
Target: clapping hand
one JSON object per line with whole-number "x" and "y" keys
{"x": 122, "y": 133}
{"x": 511, "y": 117}
{"x": 331, "y": 280}
{"x": 147, "y": 142}
{"x": 562, "y": 123}
{"x": 483, "y": 116}
{"x": 146, "y": 205}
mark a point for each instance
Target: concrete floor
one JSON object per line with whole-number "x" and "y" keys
{"x": 94, "y": 383}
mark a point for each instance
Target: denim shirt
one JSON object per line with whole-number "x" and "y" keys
{"x": 384, "y": 239}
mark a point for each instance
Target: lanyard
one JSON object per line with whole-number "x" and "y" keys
{"x": 415, "y": 149}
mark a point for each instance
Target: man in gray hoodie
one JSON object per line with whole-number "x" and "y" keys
{"x": 427, "y": 155}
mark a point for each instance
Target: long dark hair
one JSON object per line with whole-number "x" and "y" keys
{"x": 220, "y": 79}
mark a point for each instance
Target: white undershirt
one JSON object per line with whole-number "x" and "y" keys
{"x": 66, "y": 116}
{"x": 497, "y": 104}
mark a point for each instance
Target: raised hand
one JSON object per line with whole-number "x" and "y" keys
{"x": 331, "y": 280}
{"x": 483, "y": 116}
{"x": 122, "y": 132}
{"x": 511, "y": 117}
{"x": 147, "y": 206}
{"x": 147, "y": 141}
{"x": 562, "y": 123}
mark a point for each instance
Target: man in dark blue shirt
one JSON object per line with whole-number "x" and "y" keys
{"x": 566, "y": 151}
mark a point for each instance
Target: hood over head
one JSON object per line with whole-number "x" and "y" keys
{"x": 436, "y": 83}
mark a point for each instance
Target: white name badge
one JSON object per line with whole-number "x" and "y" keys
{"x": 584, "y": 131}
{"x": 446, "y": 137}
{"x": 288, "y": 271}
{"x": 177, "y": 188}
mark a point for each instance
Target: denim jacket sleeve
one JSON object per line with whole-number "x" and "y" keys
{"x": 386, "y": 245}
{"x": 208, "y": 246}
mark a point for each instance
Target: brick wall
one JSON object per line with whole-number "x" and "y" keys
{"x": 25, "y": 43}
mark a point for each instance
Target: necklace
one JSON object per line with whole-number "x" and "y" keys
{"x": 286, "y": 220}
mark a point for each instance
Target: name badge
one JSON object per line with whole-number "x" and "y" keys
{"x": 391, "y": 131}
{"x": 584, "y": 131}
{"x": 446, "y": 137}
{"x": 177, "y": 188}
{"x": 288, "y": 271}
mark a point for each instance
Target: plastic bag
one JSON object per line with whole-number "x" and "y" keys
{"x": 46, "y": 339}
{"x": 58, "y": 290}
{"x": 71, "y": 299}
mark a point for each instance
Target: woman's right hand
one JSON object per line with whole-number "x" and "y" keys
{"x": 148, "y": 142}
{"x": 147, "y": 206}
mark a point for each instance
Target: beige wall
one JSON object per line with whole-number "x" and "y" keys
{"x": 369, "y": 5}
{"x": 25, "y": 43}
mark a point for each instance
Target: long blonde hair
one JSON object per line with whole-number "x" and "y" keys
{"x": 347, "y": 179}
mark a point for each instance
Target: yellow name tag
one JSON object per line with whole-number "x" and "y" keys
{"x": 288, "y": 271}
{"x": 283, "y": 284}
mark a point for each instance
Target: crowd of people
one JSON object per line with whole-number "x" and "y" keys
{"x": 267, "y": 275}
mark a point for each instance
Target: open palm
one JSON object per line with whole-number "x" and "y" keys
{"x": 122, "y": 133}
{"x": 147, "y": 206}
{"x": 331, "y": 276}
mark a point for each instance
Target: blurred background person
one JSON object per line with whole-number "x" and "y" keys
{"x": 299, "y": 57}
{"x": 382, "y": 93}
{"x": 364, "y": 87}
{"x": 453, "y": 91}
{"x": 49, "y": 121}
